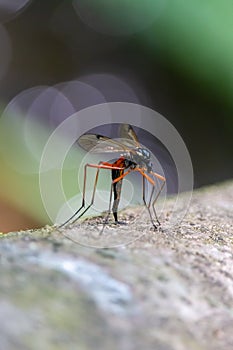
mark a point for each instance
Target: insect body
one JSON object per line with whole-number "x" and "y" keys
{"x": 134, "y": 158}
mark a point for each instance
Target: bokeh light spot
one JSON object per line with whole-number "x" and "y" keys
{"x": 119, "y": 18}
{"x": 10, "y": 8}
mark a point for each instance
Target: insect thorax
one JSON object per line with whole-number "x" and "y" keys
{"x": 138, "y": 157}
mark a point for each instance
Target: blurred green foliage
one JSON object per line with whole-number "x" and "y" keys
{"x": 197, "y": 38}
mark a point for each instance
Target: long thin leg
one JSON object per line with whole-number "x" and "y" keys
{"x": 144, "y": 198}
{"x": 117, "y": 195}
{"x": 156, "y": 176}
{"x": 109, "y": 210}
{"x": 150, "y": 202}
{"x": 83, "y": 198}
{"x": 92, "y": 198}
{"x": 150, "y": 180}
{"x": 160, "y": 190}
{"x": 105, "y": 165}
{"x": 116, "y": 188}
{"x": 110, "y": 204}
{"x": 101, "y": 165}
{"x": 144, "y": 176}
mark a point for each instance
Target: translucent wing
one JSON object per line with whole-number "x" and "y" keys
{"x": 127, "y": 132}
{"x": 100, "y": 144}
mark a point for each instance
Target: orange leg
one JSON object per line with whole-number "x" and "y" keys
{"x": 109, "y": 166}
{"x": 101, "y": 165}
{"x": 148, "y": 205}
{"x": 153, "y": 183}
{"x": 158, "y": 193}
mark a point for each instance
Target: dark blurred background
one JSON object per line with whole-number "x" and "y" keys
{"x": 171, "y": 56}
